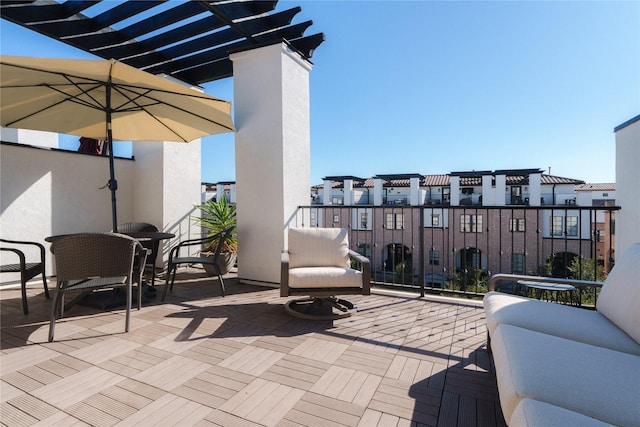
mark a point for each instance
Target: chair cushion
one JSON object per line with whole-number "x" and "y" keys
{"x": 587, "y": 326}
{"x": 531, "y": 412}
{"x": 619, "y": 299}
{"x": 565, "y": 373}
{"x": 324, "y": 277}
{"x": 318, "y": 247}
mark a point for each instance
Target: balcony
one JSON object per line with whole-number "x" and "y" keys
{"x": 241, "y": 360}
{"x": 453, "y": 250}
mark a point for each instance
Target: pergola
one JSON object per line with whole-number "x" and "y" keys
{"x": 198, "y": 42}
{"x": 188, "y": 40}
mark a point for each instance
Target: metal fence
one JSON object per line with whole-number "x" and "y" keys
{"x": 454, "y": 249}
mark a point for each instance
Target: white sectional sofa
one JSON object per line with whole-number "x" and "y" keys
{"x": 559, "y": 365}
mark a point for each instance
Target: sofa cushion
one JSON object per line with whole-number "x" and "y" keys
{"x": 318, "y": 247}
{"x": 565, "y": 373}
{"x": 531, "y": 412}
{"x": 324, "y": 277}
{"x": 619, "y": 299}
{"x": 563, "y": 321}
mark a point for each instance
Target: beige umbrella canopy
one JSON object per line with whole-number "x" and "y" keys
{"x": 105, "y": 100}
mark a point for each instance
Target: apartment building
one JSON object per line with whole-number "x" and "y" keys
{"x": 509, "y": 221}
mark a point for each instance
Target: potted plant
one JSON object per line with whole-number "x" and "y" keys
{"x": 216, "y": 216}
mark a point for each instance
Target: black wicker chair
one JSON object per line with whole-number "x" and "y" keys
{"x": 89, "y": 261}
{"x": 175, "y": 259}
{"x": 152, "y": 246}
{"x": 27, "y": 270}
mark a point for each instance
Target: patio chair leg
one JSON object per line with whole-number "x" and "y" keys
{"x": 127, "y": 318}
{"x": 52, "y": 321}
{"x": 168, "y": 284}
{"x": 46, "y": 288}
{"x": 221, "y": 284}
{"x": 25, "y": 306}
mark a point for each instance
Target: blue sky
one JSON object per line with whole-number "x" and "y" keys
{"x": 433, "y": 87}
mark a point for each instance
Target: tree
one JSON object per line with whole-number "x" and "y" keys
{"x": 582, "y": 268}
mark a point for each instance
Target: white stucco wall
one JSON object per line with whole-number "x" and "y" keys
{"x": 271, "y": 104}
{"x": 627, "y": 184}
{"x": 167, "y": 186}
{"x": 46, "y": 192}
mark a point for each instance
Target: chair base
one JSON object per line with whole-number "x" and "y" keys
{"x": 320, "y": 308}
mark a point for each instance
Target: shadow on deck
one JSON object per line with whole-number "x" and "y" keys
{"x": 201, "y": 359}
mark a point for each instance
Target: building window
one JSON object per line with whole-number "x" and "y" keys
{"x": 601, "y": 236}
{"x": 471, "y": 223}
{"x": 434, "y": 257}
{"x": 394, "y": 221}
{"x": 364, "y": 220}
{"x": 517, "y": 263}
{"x": 556, "y": 226}
{"x": 446, "y": 195}
{"x": 467, "y": 191}
{"x": 364, "y": 249}
{"x": 336, "y": 218}
{"x": 572, "y": 226}
{"x": 314, "y": 219}
{"x": 435, "y": 220}
{"x": 516, "y": 224}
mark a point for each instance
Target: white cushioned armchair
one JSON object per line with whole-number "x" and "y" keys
{"x": 317, "y": 265}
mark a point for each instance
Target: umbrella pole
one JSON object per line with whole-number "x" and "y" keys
{"x": 113, "y": 184}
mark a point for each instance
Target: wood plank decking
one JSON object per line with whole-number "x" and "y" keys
{"x": 204, "y": 360}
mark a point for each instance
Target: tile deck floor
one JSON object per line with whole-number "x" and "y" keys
{"x": 203, "y": 360}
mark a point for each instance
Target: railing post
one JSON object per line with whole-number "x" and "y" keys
{"x": 421, "y": 249}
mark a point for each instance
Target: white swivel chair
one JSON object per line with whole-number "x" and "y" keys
{"x": 317, "y": 265}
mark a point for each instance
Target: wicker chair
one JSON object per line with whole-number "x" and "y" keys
{"x": 175, "y": 259}
{"x": 89, "y": 261}
{"x": 27, "y": 270}
{"x": 317, "y": 264}
{"x": 152, "y": 246}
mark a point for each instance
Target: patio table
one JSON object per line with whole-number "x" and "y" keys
{"x": 551, "y": 291}
{"x": 155, "y": 237}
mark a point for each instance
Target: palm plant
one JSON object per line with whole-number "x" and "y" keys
{"x": 217, "y": 216}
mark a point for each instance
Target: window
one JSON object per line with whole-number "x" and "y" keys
{"x": 314, "y": 219}
{"x": 556, "y": 226}
{"x": 394, "y": 221}
{"x": 336, "y": 218}
{"x": 601, "y": 236}
{"x": 568, "y": 225}
{"x": 364, "y": 249}
{"x": 435, "y": 220}
{"x": 434, "y": 257}
{"x": 516, "y": 224}
{"x": 364, "y": 220}
{"x": 517, "y": 263}
{"x": 446, "y": 195}
{"x": 471, "y": 223}
{"x": 467, "y": 191}
{"x": 572, "y": 226}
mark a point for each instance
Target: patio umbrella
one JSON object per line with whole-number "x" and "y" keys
{"x": 105, "y": 99}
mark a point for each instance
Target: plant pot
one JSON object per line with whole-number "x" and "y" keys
{"x": 226, "y": 262}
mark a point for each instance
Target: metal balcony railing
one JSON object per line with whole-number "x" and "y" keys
{"x": 455, "y": 249}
